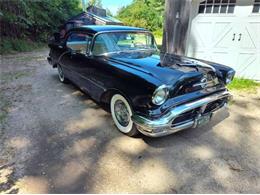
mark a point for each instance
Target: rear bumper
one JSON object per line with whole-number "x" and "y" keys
{"x": 165, "y": 125}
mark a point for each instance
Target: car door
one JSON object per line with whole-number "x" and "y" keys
{"x": 74, "y": 58}
{"x": 81, "y": 66}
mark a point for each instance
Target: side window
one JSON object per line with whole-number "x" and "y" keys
{"x": 105, "y": 43}
{"x": 79, "y": 42}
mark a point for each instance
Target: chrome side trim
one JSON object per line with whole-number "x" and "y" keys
{"x": 163, "y": 125}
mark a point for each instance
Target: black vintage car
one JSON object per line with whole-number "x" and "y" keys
{"x": 149, "y": 92}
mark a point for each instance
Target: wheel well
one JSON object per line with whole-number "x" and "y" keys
{"x": 108, "y": 94}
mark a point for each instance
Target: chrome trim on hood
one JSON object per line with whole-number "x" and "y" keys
{"x": 198, "y": 63}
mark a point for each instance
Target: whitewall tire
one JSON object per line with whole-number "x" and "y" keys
{"x": 121, "y": 113}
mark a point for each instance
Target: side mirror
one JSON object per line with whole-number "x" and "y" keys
{"x": 61, "y": 44}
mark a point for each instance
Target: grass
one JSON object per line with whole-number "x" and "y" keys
{"x": 5, "y": 102}
{"x": 241, "y": 84}
{"x": 7, "y": 77}
{"x": 9, "y": 45}
{"x": 4, "y": 105}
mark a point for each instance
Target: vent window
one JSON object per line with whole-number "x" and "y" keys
{"x": 218, "y": 7}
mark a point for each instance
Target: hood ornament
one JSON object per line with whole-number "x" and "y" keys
{"x": 203, "y": 83}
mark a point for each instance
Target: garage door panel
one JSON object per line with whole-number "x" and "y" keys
{"x": 247, "y": 66}
{"x": 225, "y": 40}
{"x": 220, "y": 29}
{"x": 201, "y": 55}
{"x": 253, "y": 29}
{"x": 202, "y": 34}
{"x": 247, "y": 39}
{"x": 222, "y": 58}
{"x": 231, "y": 39}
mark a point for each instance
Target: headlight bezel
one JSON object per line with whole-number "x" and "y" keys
{"x": 229, "y": 76}
{"x": 165, "y": 90}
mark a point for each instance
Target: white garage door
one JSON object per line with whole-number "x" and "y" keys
{"x": 228, "y": 32}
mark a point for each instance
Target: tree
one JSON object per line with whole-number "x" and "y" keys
{"x": 156, "y": 4}
{"x": 97, "y": 3}
{"x": 35, "y": 20}
{"x": 143, "y": 13}
{"x": 109, "y": 13}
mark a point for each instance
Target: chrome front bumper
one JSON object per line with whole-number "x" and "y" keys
{"x": 163, "y": 126}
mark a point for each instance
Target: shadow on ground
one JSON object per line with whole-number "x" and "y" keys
{"x": 65, "y": 143}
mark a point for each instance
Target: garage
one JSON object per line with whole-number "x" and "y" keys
{"x": 227, "y": 32}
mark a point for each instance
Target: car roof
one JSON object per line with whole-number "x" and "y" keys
{"x": 104, "y": 28}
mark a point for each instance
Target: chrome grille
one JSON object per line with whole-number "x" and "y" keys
{"x": 190, "y": 115}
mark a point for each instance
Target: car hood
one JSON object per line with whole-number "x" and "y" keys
{"x": 167, "y": 68}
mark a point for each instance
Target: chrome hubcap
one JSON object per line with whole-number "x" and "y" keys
{"x": 61, "y": 75}
{"x": 121, "y": 113}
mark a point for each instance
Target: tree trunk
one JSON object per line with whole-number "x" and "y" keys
{"x": 177, "y": 13}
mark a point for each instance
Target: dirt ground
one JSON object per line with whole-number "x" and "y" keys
{"x": 54, "y": 139}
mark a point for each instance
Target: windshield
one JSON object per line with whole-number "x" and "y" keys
{"x": 116, "y": 42}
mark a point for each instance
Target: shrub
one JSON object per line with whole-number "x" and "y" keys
{"x": 9, "y": 45}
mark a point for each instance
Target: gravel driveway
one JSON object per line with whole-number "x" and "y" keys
{"x": 55, "y": 139}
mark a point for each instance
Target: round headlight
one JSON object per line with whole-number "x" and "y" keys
{"x": 160, "y": 95}
{"x": 230, "y": 76}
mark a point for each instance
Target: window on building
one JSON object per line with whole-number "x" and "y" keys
{"x": 256, "y": 7}
{"x": 217, "y": 7}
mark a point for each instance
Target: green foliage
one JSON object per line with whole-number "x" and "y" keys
{"x": 109, "y": 13}
{"x": 158, "y": 5}
{"x": 4, "y": 105}
{"x": 32, "y": 20}
{"x": 243, "y": 84}
{"x": 9, "y": 45}
{"x": 158, "y": 35}
{"x": 143, "y": 13}
{"x": 97, "y": 3}
{"x": 9, "y": 77}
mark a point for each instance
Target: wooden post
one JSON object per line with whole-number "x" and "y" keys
{"x": 177, "y": 13}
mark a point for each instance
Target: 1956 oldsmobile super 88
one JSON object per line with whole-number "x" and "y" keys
{"x": 149, "y": 92}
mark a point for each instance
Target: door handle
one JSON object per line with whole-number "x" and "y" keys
{"x": 240, "y": 36}
{"x": 234, "y": 37}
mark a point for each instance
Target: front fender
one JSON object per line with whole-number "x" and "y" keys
{"x": 138, "y": 86}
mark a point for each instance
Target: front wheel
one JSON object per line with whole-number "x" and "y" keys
{"x": 121, "y": 113}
